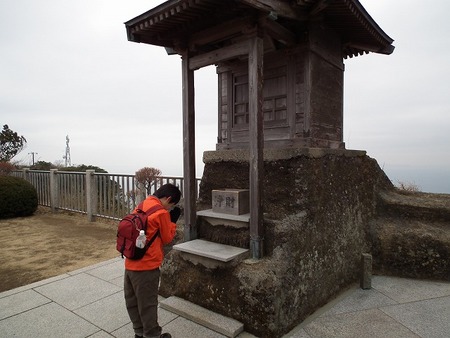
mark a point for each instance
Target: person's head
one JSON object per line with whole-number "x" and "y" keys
{"x": 169, "y": 195}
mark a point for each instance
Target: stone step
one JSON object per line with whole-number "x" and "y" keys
{"x": 224, "y": 325}
{"x": 218, "y": 218}
{"x": 210, "y": 254}
{"x": 216, "y": 251}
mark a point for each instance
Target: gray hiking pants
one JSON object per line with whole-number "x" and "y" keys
{"x": 141, "y": 299}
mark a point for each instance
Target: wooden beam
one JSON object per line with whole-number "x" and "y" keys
{"x": 256, "y": 140}
{"x": 278, "y": 32}
{"x": 218, "y": 55}
{"x": 190, "y": 187}
{"x": 319, "y": 7}
{"x": 280, "y": 8}
{"x": 219, "y": 32}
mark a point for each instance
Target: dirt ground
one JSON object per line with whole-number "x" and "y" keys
{"x": 46, "y": 245}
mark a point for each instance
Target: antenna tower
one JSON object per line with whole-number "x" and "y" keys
{"x": 66, "y": 157}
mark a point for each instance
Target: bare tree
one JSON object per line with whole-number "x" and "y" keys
{"x": 146, "y": 177}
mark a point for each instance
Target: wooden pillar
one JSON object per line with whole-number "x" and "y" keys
{"x": 190, "y": 185}
{"x": 256, "y": 141}
{"x": 307, "y": 112}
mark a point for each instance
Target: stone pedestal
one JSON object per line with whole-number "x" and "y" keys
{"x": 231, "y": 201}
{"x": 317, "y": 204}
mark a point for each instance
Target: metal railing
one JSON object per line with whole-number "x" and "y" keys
{"x": 95, "y": 194}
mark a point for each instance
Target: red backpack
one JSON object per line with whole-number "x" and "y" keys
{"x": 128, "y": 231}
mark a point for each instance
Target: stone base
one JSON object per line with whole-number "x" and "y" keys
{"x": 316, "y": 205}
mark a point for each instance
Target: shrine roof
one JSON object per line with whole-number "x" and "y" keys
{"x": 173, "y": 23}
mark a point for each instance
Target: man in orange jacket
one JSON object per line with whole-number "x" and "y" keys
{"x": 141, "y": 279}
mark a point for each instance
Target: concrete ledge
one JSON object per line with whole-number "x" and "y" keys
{"x": 212, "y": 214}
{"x": 216, "y": 251}
{"x": 224, "y": 325}
{"x": 209, "y": 214}
{"x": 274, "y": 154}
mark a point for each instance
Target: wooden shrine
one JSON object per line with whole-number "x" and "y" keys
{"x": 280, "y": 68}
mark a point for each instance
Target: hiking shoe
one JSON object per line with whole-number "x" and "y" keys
{"x": 166, "y": 335}
{"x": 136, "y": 336}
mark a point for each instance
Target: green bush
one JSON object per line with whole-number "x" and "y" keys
{"x": 17, "y": 197}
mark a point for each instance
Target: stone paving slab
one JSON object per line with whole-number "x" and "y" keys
{"x": 405, "y": 290}
{"x": 421, "y": 307}
{"x": 20, "y": 302}
{"x": 108, "y": 272}
{"x": 32, "y": 285}
{"x": 117, "y": 281}
{"x": 358, "y": 300}
{"x": 100, "y": 312}
{"x": 103, "y": 334}
{"x": 94, "y": 266}
{"x": 77, "y": 291}
{"x": 49, "y": 320}
{"x": 298, "y": 333}
{"x": 428, "y": 318}
{"x": 176, "y": 325}
{"x": 371, "y": 323}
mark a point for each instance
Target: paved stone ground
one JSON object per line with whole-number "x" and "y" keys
{"x": 88, "y": 302}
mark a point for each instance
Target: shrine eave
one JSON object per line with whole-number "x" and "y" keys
{"x": 172, "y": 23}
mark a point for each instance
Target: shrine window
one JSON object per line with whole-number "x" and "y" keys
{"x": 275, "y": 98}
{"x": 240, "y": 100}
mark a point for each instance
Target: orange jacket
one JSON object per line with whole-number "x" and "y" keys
{"x": 155, "y": 254}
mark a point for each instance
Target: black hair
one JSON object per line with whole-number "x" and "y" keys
{"x": 169, "y": 190}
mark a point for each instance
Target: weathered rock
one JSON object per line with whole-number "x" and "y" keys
{"x": 411, "y": 235}
{"x": 316, "y": 207}
{"x": 322, "y": 210}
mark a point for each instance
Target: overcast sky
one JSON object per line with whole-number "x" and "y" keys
{"x": 66, "y": 68}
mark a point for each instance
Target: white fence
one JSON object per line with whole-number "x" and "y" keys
{"x": 94, "y": 194}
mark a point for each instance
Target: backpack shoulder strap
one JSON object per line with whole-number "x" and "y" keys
{"x": 151, "y": 240}
{"x": 140, "y": 208}
{"x": 153, "y": 209}
{"x": 148, "y": 213}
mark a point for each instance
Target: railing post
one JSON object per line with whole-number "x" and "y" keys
{"x": 91, "y": 195}
{"x": 54, "y": 198}
{"x": 25, "y": 173}
{"x": 140, "y": 191}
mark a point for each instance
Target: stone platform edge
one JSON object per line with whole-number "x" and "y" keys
{"x": 214, "y": 321}
{"x": 274, "y": 154}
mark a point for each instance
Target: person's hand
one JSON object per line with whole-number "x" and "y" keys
{"x": 175, "y": 214}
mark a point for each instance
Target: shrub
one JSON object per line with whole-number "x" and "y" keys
{"x": 17, "y": 197}
{"x": 408, "y": 187}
